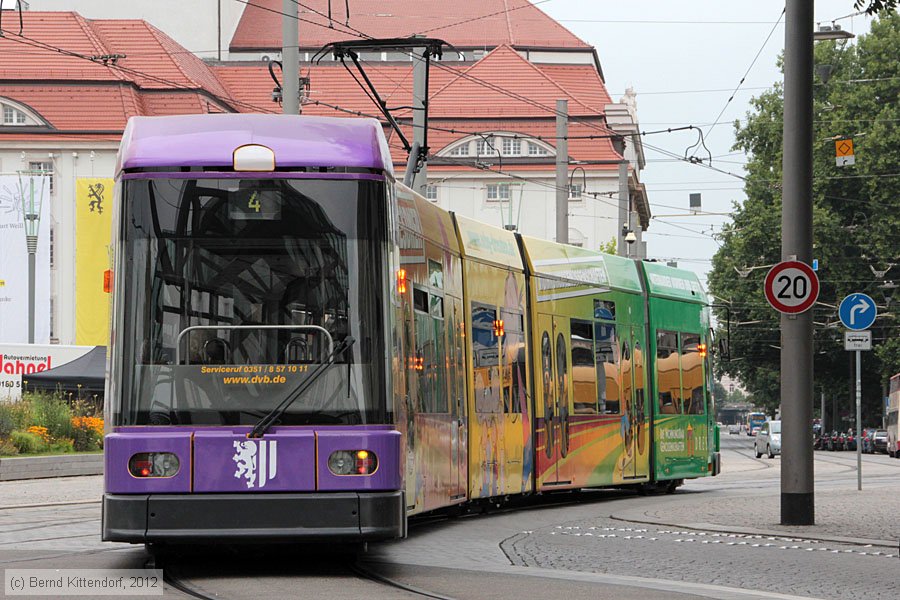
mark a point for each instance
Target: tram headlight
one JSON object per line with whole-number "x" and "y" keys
{"x": 154, "y": 464}
{"x": 352, "y": 462}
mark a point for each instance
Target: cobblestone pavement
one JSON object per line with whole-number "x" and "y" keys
{"x": 715, "y": 538}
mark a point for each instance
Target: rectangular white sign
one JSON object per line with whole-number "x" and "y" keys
{"x": 17, "y": 361}
{"x": 22, "y": 195}
{"x": 858, "y": 340}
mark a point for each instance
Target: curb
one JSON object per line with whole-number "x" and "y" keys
{"x": 752, "y": 531}
{"x": 60, "y": 465}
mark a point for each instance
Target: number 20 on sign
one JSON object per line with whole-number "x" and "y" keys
{"x": 791, "y": 287}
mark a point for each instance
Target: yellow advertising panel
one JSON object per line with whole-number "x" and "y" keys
{"x": 93, "y": 225}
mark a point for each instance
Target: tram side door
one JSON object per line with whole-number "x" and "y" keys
{"x": 548, "y": 451}
{"x": 457, "y": 379}
{"x": 629, "y": 397}
{"x": 554, "y": 355}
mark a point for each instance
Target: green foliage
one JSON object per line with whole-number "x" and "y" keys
{"x": 7, "y": 448}
{"x": 8, "y": 420}
{"x": 52, "y": 412}
{"x": 855, "y": 221}
{"x": 609, "y": 247}
{"x": 875, "y": 6}
{"x": 63, "y": 446}
{"x": 87, "y": 440}
{"x": 28, "y": 443}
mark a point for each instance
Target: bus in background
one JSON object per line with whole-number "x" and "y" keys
{"x": 893, "y": 410}
{"x": 755, "y": 421}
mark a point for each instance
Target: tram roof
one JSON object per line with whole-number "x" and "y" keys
{"x": 210, "y": 141}
{"x": 669, "y": 282}
{"x": 581, "y": 265}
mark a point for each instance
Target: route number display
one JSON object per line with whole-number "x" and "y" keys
{"x": 791, "y": 287}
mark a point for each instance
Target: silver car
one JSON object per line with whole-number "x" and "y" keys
{"x": 768, "y": 440}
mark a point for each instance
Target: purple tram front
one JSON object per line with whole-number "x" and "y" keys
{"x": 249, "y": 378}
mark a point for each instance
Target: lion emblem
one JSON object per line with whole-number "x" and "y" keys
{"x": 245, "y": 459}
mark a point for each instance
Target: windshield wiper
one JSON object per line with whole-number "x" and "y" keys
{"x": 267, "y": 421}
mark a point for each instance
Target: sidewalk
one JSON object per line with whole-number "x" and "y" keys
{"x": 847, "y": 516}
{"x": 51, "y": 491}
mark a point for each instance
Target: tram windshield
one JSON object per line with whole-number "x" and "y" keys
{"x": 233, "y": 291}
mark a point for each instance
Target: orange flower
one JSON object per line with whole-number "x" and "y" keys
{"x": 92, "y": 423}
{"x": 40, "y": 432}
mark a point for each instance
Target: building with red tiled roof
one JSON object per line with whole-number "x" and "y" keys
{"x": 492, "y": 137}
{"x": 68, "y": 85}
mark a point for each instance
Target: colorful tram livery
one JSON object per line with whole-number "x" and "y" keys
{"x": 304, "y": 349}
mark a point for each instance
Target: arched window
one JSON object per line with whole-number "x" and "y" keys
{"x": 13, "y": 116}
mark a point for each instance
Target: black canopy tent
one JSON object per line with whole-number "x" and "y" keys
{"x": 88, "y": 372}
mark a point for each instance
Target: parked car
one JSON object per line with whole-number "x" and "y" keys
{"x": 881, "y": 441}
{"x": 734, "y": 428}
{"x": 768, "y": 439}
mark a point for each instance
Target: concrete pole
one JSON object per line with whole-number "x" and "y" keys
{"x": 797, "y": 483}
{"x": 290, "y": 57}
{"x": 562, "y": 171}
{"x": 624, "y": 201}
{"x": 419, "y": 107}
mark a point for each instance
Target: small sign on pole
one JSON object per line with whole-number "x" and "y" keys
{"x": 858, "y": 340}
{"x": 843, "y": 152}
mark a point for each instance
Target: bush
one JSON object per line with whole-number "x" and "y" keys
{"x": 7, "y": 448}
{"x": 88, "y": 433}
{"x": 8, "y": 420}
{"x": 52, "y": 412}
{"x": 28, "y": 443}
{"x": 63, "y": 446}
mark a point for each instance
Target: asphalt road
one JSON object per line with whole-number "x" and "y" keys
{"x": 714, "y": 538}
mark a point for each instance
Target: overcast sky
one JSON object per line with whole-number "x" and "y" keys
{"x": 683, "y": 60}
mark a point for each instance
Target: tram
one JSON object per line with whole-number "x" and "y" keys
{"x": 303, "y": 349}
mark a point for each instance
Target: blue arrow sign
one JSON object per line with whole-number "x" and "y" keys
{"x": 857, "y": 312}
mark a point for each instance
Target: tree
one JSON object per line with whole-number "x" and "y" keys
{"x": 856, "y": 230}
{"x": 872, "y": 7}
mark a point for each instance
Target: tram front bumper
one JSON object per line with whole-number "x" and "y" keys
{"x": 199, "y": 518}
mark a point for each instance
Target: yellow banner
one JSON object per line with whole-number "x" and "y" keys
{"x": 93, "y": 225}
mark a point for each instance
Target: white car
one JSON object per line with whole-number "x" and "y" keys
{"x": 734, "y": 428}
{"x": 768, "y": 440}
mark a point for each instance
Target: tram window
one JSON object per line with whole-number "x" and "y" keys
{"x": 420, "y": 300}
{"x": 485, "y": 359}
{"x": 436, "y": 306}
{"x": 562, "y": 376}
{"x": 435, "y": 274}
{"x": 605, "y": 309}
{"x": 514, "y": 365}
{"x": 691, "y": 374}
{"x": 584, "y": 371}
{"x": 547, "y": 375}
{"x": 668, "y": 377}
{"x": 626, "y": 375}
{"x": 639, "y": 382}
{"x": 606, "y": 361}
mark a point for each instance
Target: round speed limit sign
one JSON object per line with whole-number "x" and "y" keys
{"x": 792, "y": 287}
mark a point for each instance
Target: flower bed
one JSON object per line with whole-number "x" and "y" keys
{"x": 44, "y": 423}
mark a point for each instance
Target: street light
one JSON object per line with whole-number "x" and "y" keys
{"x": 831, "y": 32}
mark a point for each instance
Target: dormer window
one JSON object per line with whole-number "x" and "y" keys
{"x": 461, "y": 150}
{"x": 17, "y": 115}
{"x": 537, "y": 150}
{"x": 12, "y": 116}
